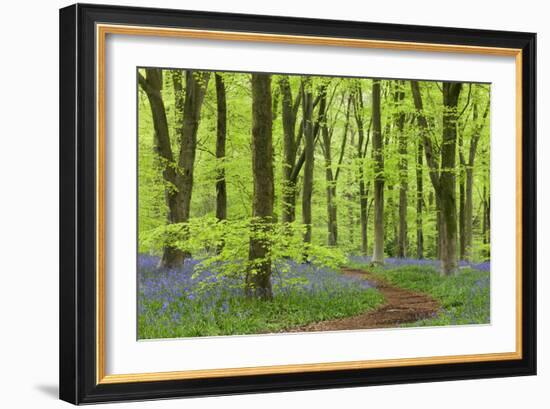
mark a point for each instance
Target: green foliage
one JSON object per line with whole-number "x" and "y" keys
{"x": 225, "y": 244}
{"x": 237, "y": 163}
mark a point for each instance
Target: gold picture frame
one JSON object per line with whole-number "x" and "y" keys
{"x": 98, "y": 20}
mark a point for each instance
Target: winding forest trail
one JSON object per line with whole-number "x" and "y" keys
{"x": 401, "y": 306}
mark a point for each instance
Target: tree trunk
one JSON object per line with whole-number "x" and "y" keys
{"x": 468, "y": 214}
{"x": 469, "y": 201}
{"x": 419, "y": 202}
{"x": 362, "y": 146}
{"x": 444, "y": 179}
{"x": 221, "y": 136}
{"x": 438, "y": 228}
{"x": 195, "y": 88}
{"x": 332, "y": 232}
{"x": 332, "y": 208}
{"x": 486, "y": 222}
{"x": 258, "y": 277}
{"x": 289, "y": 113}
{"x": 188, "y": 110}
{"x": 309, "y": 148}
{"x": 462, "y": 216}
{"x": 447, "y": 185}
{"x": 461, "y": 196}
{"x": 378, "y": 158}
{"x": 350, "y": 199}
{"x": 403, "y": 178}
{"x": 152, "y": 85}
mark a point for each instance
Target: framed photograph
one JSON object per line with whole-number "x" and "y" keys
{"x": 257, "y": 203}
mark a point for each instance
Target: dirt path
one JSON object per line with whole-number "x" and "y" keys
{"x": 402, "y": 306}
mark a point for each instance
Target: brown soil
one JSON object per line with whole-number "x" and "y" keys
{"x": 402, "y": 306}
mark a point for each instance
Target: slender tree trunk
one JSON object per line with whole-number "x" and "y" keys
{"x": 362, "y": 146}
{"x": 221, "y": 136}
{"x": 462, "y": 217}
{"x": 403, "y": 177}
{"x": 390, "y": 222}
{"x": 469, "y": 201}
{"x": 419, "y": 201}
{"x": 332, "y": 180}
{"x": 447, "y": 191}
{"x": 350, "y": 199}
{"x": 258, "y": 277}
{"x": 309, "y": 148}
{"x": 332, "y": 232}
{"x": 289, "y": 112}
{"x": 486, "y": 220}
{"x": 438, "y": 230}
{"x": 378, "y": 158}
{"x": 461, "y": 198}
{"x": 363, "y": 201}
{"x": 468, "y": 214}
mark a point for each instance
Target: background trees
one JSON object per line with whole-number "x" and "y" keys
{"x": 217, "y": 157}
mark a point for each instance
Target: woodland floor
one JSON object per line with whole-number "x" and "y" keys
{"x": 401, "y": 307}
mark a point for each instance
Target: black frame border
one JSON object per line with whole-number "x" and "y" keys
{"x": 78, "y": 204}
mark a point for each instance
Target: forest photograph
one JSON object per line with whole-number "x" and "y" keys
{"x": 280, "y": 203}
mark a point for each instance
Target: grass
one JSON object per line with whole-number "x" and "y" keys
{"x": 173, "y": 304}
{"x": 464, "y": 297}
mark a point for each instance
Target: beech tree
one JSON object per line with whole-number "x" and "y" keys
{"x": 468, "y": 164}
{"x": 291, "y": 140}
{"x": 178, "y": 174}
{"x": 443, "y": 177}
{"x": 331, "y": 174}
{"x": 403, "y": 172}
{"x": 378, "y": 159}
{"x": 258, "y": 278}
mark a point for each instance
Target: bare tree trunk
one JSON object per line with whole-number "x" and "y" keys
{"x": 378, "y": 158}
{"x": 419, "y": 202}
{"x": 258, "y": 277}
